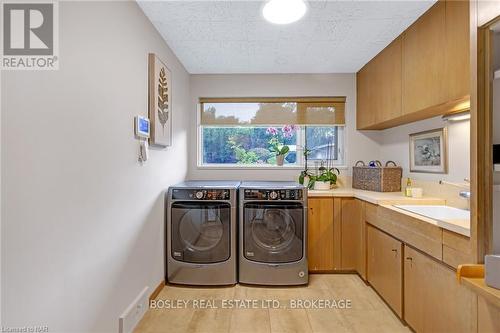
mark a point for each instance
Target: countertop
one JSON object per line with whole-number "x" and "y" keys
{"x": 472, "y": 275}
{"x": 388, "y": 199}
{"x": 376, "y": 198}
{"x": 479, "y": 286}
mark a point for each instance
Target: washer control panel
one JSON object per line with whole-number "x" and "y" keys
{"x": 251, "y": 194}
{"x": 201, "y": 194}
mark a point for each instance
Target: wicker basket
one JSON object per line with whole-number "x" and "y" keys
{"x": 377, "y": 178}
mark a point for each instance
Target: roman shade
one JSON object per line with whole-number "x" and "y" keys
{"x": 272, "y": 111}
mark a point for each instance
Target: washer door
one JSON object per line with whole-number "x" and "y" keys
{"x": 201, "y": 232}
{"x": 273, "y": 232}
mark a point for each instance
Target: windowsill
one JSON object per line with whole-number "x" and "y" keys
{"x": 250, "y": 167}
{"x": 260, "y": 167}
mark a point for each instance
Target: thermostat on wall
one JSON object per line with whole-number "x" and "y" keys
{"x": 142, "y": 127}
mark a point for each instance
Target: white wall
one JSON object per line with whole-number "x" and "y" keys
{"x": 395, "y": 146}
{"x": 82, "y": 221}
{"x": 359, "y": 145}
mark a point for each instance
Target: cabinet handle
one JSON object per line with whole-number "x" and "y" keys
{"x": 410, "y": 259}
{"x": 394, "y": 250}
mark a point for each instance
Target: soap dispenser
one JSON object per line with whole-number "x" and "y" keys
{"x": 408, "y": 187}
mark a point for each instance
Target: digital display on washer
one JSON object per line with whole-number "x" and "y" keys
{"x": 251, "y": 194}
{"x": 201, "y": 194}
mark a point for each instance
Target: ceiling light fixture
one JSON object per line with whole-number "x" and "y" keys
{"x": 284, "y": 11}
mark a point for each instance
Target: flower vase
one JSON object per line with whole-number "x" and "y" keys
{"x": 280, "y": 159}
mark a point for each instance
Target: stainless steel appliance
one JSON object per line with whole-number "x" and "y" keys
{"x": 202, "y": 233}
{"x": 273, "y": 233}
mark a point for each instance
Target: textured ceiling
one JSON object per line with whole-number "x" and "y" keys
{"x": 233, "y": 37}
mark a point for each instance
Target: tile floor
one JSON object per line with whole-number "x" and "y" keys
{"x": 368, "y": 313}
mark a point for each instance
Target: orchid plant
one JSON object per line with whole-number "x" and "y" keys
{"x": 276, "y": 142}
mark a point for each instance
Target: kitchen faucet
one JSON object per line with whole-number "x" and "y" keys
{"x": 466, "y": 195}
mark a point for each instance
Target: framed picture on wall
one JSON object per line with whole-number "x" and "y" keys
{"x": 429, "y": 151}
{"x": 160, "y": 102}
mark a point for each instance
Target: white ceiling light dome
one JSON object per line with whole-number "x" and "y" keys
{"x": 284, "y": 11}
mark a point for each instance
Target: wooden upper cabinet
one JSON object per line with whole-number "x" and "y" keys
{"x": 320, "y": 241}
{"x": 365, "y": 114}
{"x": 423, "y": 73}
{"x": 388, "y": 77}
{"x": 379, "y": 87}
{"x": 457, "y": 49}
{"x": 424, "y": 55}
{"x": 384, "y": 267}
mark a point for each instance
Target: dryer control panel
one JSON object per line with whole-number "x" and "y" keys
{"x": 201, "y": 194}
{"x": 251, "y": 194}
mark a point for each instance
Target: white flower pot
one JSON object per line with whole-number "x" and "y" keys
{"x": 321, "y": 186}
{"x": 306, "y": 181}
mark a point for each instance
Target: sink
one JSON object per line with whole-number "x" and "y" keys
{"x": 440, "y": 213}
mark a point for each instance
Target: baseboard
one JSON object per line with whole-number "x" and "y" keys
{"x": 335, "y": 271}
{"x": 157, "y": 290}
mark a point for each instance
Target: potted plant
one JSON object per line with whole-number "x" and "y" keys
{"x": 277, "y": 142}
{"x": 325, "y": 177}
{"x": 325, "y": 180}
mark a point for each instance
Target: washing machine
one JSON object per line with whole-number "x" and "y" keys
{"x": 273, "y": 233}
{"x": 201, "y": 233}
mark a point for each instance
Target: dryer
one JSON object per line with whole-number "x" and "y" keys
{"x": 201, "y": 233}
{"x": 273, "y": 233}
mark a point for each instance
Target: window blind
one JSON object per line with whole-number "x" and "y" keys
{"x": 272, "y": 111}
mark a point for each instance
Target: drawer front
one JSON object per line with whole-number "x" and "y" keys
{"x": 456, "y": 249}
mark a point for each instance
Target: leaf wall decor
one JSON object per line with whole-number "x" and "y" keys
{"x": 159, "y": 102}
{"x": 162, "y": 99}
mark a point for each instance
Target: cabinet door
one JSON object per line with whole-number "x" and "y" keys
{"x": 384, "y": 267}
{"x": 351, "y": 231}
{"x": 388, "y": 80}
{"x": 488, "y": 316}
{"x": 320, "y": 234}
{"x": 457, "y": 49}
{"x": 414, "y": 270}
{"x": 434, "y": 300}
{"x": 424, "y": 70}
{"x": 365, "y": 94}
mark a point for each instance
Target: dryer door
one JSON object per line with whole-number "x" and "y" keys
{"x": 201, "y": 232}
{"x": 273, "y": 231}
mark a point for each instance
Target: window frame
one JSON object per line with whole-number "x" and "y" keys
{"x": 300, "y": 161}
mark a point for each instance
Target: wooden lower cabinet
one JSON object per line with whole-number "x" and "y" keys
{"x": 488, "y": 316}
{"x": 335, "y": 238}
{"x": 433, "y": 299}
{"x": 384, "y": 267}
{"x": 320, "y": 234}
{"x": 352, "y": 239}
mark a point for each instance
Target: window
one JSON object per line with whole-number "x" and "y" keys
{"x": 240, "y": 132}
